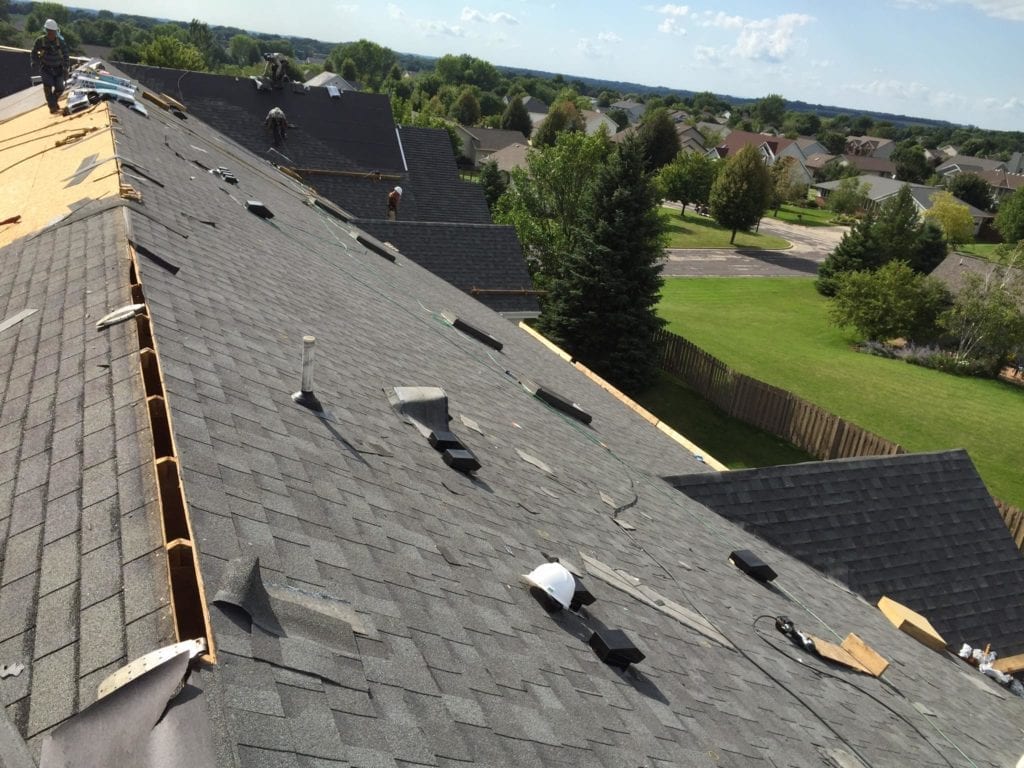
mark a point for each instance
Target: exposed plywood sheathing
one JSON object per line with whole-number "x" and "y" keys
{"x": 39, "y": 152}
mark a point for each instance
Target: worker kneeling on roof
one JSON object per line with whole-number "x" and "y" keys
{"x": 278, "y": 124}
{"x": 51, "y": 53}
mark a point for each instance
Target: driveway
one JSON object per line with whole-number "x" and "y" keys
{"x": 810, "y": 247}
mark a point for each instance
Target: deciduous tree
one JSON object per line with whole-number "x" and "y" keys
{"x": 173, "y": 53}
{"x": 741, "y": 191}
{"x": 372, "y": 61}
{"x": 972, "y": 189}
{"x": 563, "y": 117}
{"x": 911, "y": 164}
{"x": 891, "y": 302}
{"x": 952, "y": 217}
{"x": 659, "y": 141}
{"x": 1010, "y": 217}
{"x": 849, "y": 197}
{"x": 985, "y": 320}
{"x": 688, "y": 179}
{"x": 466, "y": 108}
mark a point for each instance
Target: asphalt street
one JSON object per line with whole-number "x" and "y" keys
{"x": 810, "y": 247}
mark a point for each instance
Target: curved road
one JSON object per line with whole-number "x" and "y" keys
{"x": 810, "y": 247}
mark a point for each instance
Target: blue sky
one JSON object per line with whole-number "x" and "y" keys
{"x": 957, "y": 60}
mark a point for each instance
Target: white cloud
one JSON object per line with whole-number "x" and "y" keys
{"x": 499, "y": 17}
{"x": 439, "y": 28}
{"x": 1013, "y": 104}
{"x": 598, "y": 47}
{"x": 722, "y": 20}
{"x": 671, "y": 26}
{"x": 346, "y": 8}
{"x": 1011, "y": 10}
{"x": 395, "y": 13}
{"x": 706, "y": 53}
{"x": 770, "y": 39}
{"x": 674, "y": 10}
{"x": 901, "y": 91}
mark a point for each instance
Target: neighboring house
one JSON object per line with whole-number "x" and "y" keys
{"x": 868, "y": 166}
{"x": 895, "y": 526}
{"x": 880, "y": 189}
{"x": 325, "y": 79}
{"x": 956, "y": 266}
{"x": 809, "y": 146}
{"x": 355, "y": 582}
{"x": 771, "y": 148}
{"x": 595, "y": 121}
{"x": 511, "y": 157}
{"x": 1002, "y": 184}
{"x": 478, "y": 144}
{"x": 536, "y": 109}
{"x": 870, "y": 146}
{"x": 713, "y": 133}
{"x": 634, "y": 110}
{"x": 968, "y": 164}
{"x": 351, "y": 151}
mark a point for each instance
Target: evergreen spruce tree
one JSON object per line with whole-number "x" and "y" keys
{"x": 493, "y": 183}
{"x": 516, "y": 118}
{"x": 600, "y": 307}
{"x": 897, "y": 228}
{"x": 856, "y": 251}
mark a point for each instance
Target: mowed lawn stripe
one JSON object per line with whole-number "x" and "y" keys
{"x": 778, "y": 331}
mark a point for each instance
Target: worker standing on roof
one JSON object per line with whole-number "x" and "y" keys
{"x": 278, "y": 125}
{"x": 394, "y": 198}
{"x": 276, "y": 68}
{"x": 51, "y": 53}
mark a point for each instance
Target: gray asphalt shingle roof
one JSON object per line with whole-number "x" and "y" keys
{"x": 453, "y": 663}
{"x": 907, "y": 527}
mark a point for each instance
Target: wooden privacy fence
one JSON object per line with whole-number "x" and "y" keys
{"x": 1014, "y": 519}
{"x": 807, "y": 426}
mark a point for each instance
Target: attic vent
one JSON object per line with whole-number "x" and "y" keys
{"x": 614, "y": 648}
{"x": 556, "y": 401}
{"x": 376, "y": 246}
{"x": 255, "y": 206}
{"x": 482, "y": 336}
{"x": 426, "y": 408}
{"x": 752, "y": 565}
{"x": 333, "y": 92}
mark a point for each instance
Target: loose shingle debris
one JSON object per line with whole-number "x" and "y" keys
{"x": 159, "y": 261}
{"x": 633, "y": 587}
{"x": 13, "y": 320}
{"x": 472, "y": 331}
{"x": 119, "y": 316}
{"x": 157, "y": 720}
{"x": 752, "y": 565}
{"x": 556, "y": 401}
{"x": 11, "y": 670}
{"x": 220, "y": 171}
{"x": 984, "y": 660}
{"x": 535, "y": 462}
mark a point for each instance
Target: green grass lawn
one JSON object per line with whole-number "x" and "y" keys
{"x": 808, "y": 217}
{"x": 733, "y": 442}
{"x": 697, "y": 231}
{"x": 983, "y": 250}
{"x": 777, "y": 331}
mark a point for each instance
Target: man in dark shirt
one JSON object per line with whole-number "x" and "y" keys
{"x": 51, "y": 53}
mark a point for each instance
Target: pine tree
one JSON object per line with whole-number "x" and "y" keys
{"x": 600, "y": 307}
{"x": 741, "y": 191}
{"x": 493, "y": 183}
{"x": 516, "y": 118}
{"x": 659, "y": 139}
{"x": 897, "y": 227}
{"x": 856, "y": 251}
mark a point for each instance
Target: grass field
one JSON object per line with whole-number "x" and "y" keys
{"x": 777, "y": 331}
{"x": 984, "y": 250}
{"x": 731, "y": 441}
{"x": 808, "y": 217}
{"x": 697, "y": 231}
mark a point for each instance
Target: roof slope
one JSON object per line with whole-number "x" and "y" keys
{"x": 471, "y": 257}
{"x": 438, "y": 194}
{"x": 492, "y": 139}
{"x": 904, "y": 526}
{"x": 83, "y": 585}
{"x": 353, "y": 133}
{"x": 445, "y": 659}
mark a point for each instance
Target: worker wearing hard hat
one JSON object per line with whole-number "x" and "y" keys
{"x": 394, "y": 198}
{"x": 51, "y": 53}
{"x": 277, "y": 122}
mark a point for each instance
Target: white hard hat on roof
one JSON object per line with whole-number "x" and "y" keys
{"x": 51, "y": 24}
{"x": 398, "y": 190}
{"x": 555, "y": 580}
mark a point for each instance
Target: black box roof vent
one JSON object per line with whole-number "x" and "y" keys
{"x": 581, "y": 595}
{"x": 556, "y": 401}
{"x": 473, "y": 332}
{"x": 752, "y": 565}
{"x": 461, "y": 459}
{"x": 255, "y": 206}
{"x": 614, "y": 648}
{"x": 442, "y": 441}
{"x": 376, "y": 246}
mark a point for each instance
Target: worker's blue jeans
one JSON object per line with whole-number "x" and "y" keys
{"x": 53, "y": 86}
